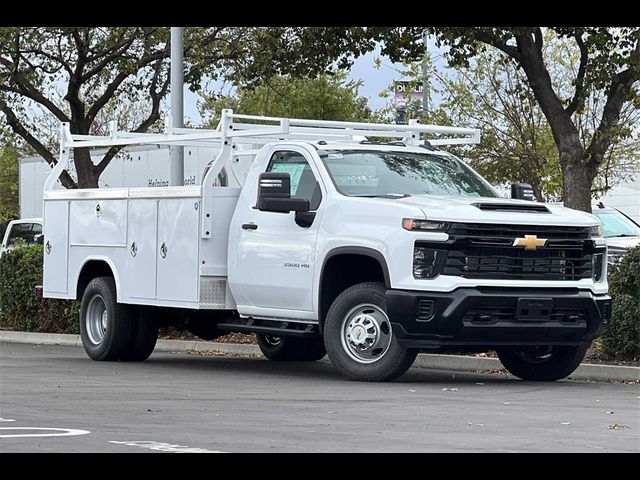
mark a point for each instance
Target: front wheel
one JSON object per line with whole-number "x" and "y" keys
{"x": 359, "y": 339}
{"x": 542, "y": 363}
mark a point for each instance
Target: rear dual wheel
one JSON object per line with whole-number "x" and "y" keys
{"x": 112, "y": 331}
{"x": 291, "y": 349}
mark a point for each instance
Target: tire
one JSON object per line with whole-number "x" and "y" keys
{"x": 105, "y": 324}
{"x": 144, "y": 335}
{"x": 291, "y": 349}
{"x": 376, "y": 357}
{"x": 542, "y": 363}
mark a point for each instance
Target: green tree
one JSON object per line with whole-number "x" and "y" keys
{"x": 327, "y": 97}
{"x": 72, "y": 74}
{"x": 9, "y": 202}
{"x": 608, "y": 68}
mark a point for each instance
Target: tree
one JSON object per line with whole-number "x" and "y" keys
{"x": 9, "y": 177}
{"x": 73, "y": 74}
{"x": 609, "y": 65}
{"x": 327, "y": 97}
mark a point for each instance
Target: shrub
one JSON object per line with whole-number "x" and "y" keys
{"x": 20, "y": 308}
{"x": 622, "y": 339}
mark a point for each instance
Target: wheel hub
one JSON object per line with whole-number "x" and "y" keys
{"x": 96, "y": 319}
{"x": 366, "y": 333}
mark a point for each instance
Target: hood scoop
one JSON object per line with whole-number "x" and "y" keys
{"x": 510, "y": 207}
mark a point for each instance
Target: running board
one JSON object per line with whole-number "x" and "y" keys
{"x": 281, "y": 328}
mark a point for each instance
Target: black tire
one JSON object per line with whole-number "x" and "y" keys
{"x": 542, "y": 363}
{"x": 392, "y": 363}
{"x": 113, "y": 341}
{"x": 144, "y": 335}
{"x": 291, "y": 349}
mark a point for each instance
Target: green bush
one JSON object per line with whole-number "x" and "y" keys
{"x": 20, "y": 308}
{"x": 622, "y": 339}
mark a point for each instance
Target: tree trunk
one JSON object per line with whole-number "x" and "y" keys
{"x": 85, "y": 169}
{"x": 577, "y": 181}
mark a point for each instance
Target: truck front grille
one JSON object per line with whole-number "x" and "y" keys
{"x": 517, "y": 263}
{"x": 486, "y": 251}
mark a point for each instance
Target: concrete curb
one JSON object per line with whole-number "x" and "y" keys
{"x": 459, "y": 363}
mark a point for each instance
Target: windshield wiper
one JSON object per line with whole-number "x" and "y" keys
{"x": 385, "y": 195}
{"x": 621, "y": 235}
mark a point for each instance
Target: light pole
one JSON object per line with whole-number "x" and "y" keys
{"x": 176, "y": 158}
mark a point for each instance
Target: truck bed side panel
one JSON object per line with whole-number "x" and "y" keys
{"x": 56, "y": 248}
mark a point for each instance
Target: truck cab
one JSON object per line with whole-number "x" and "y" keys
{"x": 320, "y": 243}
{"x": 25, "y": 230}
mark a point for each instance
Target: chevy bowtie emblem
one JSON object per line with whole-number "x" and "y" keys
{"x": 530, "y": 242}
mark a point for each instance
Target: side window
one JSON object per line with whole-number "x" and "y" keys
{"x": 303, "y": 182}
{"x": 20, "y": 231}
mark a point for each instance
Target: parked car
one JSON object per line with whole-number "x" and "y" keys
{"x": 29, "y": 230}
{"x": 620, "y": 231}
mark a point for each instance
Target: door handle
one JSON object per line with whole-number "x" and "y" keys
{"x": 249, "y": 226}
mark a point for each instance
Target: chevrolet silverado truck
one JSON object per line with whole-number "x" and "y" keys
{"x": 364, "y": 242}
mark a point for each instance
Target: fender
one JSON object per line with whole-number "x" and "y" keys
{"x": 364, "y": 251}
{"x": 100, "y": 258}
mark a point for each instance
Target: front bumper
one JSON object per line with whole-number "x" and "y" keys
{"x": 494, "y": 316}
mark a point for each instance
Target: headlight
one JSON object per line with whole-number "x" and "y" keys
{"x": 427, "y": 262}
{"x": 595, "y": 231}
{"x": 424, "y": 225}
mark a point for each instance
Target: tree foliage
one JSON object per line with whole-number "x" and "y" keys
{"x": 9, "y": 176}
{"x": 75, "y": 74}
{"x": 327, "y": 97}
{"x": 607, "y": 66}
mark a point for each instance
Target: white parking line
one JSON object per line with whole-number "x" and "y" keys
{"x": 165, "y": 447}
{"x": 61, "y": 432}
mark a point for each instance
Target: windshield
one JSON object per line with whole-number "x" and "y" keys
{"x": 379, "y": 173}
{"x": 615, "y": 224}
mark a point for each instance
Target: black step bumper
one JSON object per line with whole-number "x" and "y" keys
{"x": 491, "y": 316}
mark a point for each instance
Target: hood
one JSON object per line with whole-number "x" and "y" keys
{"x": 497, "y": 210}
{"x": 622, "y": 243}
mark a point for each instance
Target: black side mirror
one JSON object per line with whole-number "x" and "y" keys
{"x": 522, "y": 191}
{"x": 274, "y": 194}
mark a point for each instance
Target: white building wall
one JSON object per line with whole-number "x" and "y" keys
{"x": 625, "y": 197}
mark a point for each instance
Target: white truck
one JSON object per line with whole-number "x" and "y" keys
{"x": 24, "y": 230}
{"x": 368, "y": 251}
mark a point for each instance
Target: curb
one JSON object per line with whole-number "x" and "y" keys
{"x": 459, "y": 363}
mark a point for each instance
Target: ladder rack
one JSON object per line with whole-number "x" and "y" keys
{"x": 256, "y": 131}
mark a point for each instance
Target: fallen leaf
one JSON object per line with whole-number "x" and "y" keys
{"x": 609, "y": 413}
{"x": 617, "y": 426}
{"x": 565, "y": 423}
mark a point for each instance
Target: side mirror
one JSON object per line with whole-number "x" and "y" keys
{"x": 274, "y": 194}
{"x": 39, "y": 238}
{"x": 522, "y": 191}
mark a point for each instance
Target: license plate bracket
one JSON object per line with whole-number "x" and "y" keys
{"x": 534, "y": 309}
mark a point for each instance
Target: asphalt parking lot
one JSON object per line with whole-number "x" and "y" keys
{"x": 54, "y": 399}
